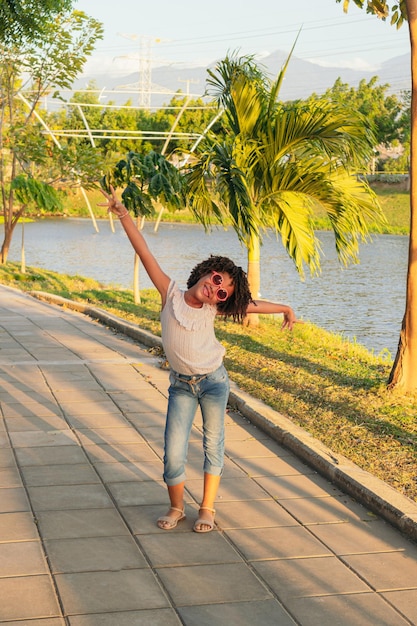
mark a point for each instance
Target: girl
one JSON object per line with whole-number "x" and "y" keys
{"x": 197, "y": 375}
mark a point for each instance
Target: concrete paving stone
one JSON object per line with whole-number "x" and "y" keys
{"x": 141, "y": 392}
{"x": 156, "y": 402}
{"x": 68, "y": 497}
{"x": 232, "y": 417}
{"x": 36, "y": 439}
{"x": 4, "y": 440}
{"x": 15, "y": 357}
{"x": 293, "y": 578}
{"x": 53, "y": 354}
{"x": 123, "y": 434}
{"x": 284, "y": 542}
{"x": 63, "y": 379}
{"x": 138, "y": 493}
{"x": 104, "y": 420}
{"x": 42, "y": 476}
{"x": 212, "y": 584}
{"x": 325, "y": 510}
{"x": 79, "y": 409}
{"x": 61, "y": 455}
{"x": 129, "y": 472}
{"x": 100, "y": 353}
{"x": 244, "y": 432}
{"x": 231, "y": 489}
{"x": 120, "y": 453}
{"x": 21, "y": 558}
{"x": 169, "y": 550}
{"x": 73, "y": 524}
{"x": 88, "y": 554}
{"x": 30, "y": 409}
{"x": 11, "y": 384}
{"x": 156, "y": 617}
{"x": 146, "y": 419}
{"x": 360, "y": 537}
{"x": 261, "y": 613}
{"x": 386, "y": 571}
{"x": 252, "y": 514}
{"x": 142, "y": 519}
{"x": 365, "y": 609}
{"x": 121, "y": 383}
{"x": 13, "y": 499}
{"x": 69, "y": 368}
{"x": 32, "y": 423}
{"x": 156, "y": 433}
{"x": 80, "y": 395}
{"x": 195, "y": 469}
{"x": 18, "y": 527}
{"x": 52, "y": 621}
{"x": 7, "y": 458}
{"x": 298, "y": 486}
{"x": 120, "y": 372}
{"x": 10, "y": 477}
{"x": 21, "y": 396}
{"x": 27, "y": 598}
{"x": 253, "y": 448}
{"x": 102, "y": 592}
{"x": 404, "y": 601}
{"x": 62, "y": 384}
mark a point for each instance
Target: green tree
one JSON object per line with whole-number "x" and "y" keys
{"x": 404, "y": 371}
{"x": 29, "y": 153}
{"x": 188, "y": 118}
{"x": 405, "y": 117}
{"x": 277, "y": 165}
{"x": 381, "y": 111}
{"x": 146, "y": 179}
{"x": 26, "y": 19}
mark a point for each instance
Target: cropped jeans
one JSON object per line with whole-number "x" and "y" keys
{"x": 186, "y": 393}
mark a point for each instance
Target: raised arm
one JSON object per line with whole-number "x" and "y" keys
{"x": 266, "y": 307}
{"x": 151, "y": 265}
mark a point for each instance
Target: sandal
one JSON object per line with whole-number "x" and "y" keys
{"x": 201, "y": 521}
{"x": 170, "y": 522}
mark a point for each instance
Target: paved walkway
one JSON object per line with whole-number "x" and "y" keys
{"x": 81, "y": 428}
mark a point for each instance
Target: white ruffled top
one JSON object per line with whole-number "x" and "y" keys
{"x": 188, "y": 337}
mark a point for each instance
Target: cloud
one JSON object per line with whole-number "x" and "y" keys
{"x": 112, "y": 66}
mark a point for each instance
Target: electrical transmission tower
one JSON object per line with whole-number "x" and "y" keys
{"x": 145, "y": 67}
{"x": 145, "y": 72}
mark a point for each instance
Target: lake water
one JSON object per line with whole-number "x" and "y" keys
{"x": 364, "y": 302}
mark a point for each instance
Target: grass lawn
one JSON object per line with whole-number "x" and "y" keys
{"x": 331, "y": 387}
{"x": 394, "y": 202}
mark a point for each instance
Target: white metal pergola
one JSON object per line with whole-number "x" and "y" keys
{"x": 92, "y": 134}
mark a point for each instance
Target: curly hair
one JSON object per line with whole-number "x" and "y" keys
{"x": 235, "y": 306}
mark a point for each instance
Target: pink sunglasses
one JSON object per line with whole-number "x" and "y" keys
{"x": 217, "y": 280}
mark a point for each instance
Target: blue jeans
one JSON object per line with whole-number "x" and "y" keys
{"x": 186, "y": 393}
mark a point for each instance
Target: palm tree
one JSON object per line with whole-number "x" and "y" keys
{"x": 277, "y": 165}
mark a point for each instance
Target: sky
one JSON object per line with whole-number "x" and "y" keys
{"x": 184, "y": 33}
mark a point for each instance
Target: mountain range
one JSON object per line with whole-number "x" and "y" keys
{"x": 302, "y": 78}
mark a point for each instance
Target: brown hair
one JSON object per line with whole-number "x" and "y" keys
{"x": 236, "y": 305}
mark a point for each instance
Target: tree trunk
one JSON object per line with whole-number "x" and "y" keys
{"x": 4, "y": 252}
{"x": 254, "y": 275}
{"x": 404, "y": 371}
{"x": 136, "y": 268}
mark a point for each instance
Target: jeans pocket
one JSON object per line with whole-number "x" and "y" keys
{"x": 218, "y": 376}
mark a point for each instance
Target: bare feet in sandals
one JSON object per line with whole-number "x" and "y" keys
{"x": 205, "y": 521}
{"x": 168, "y": 522}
